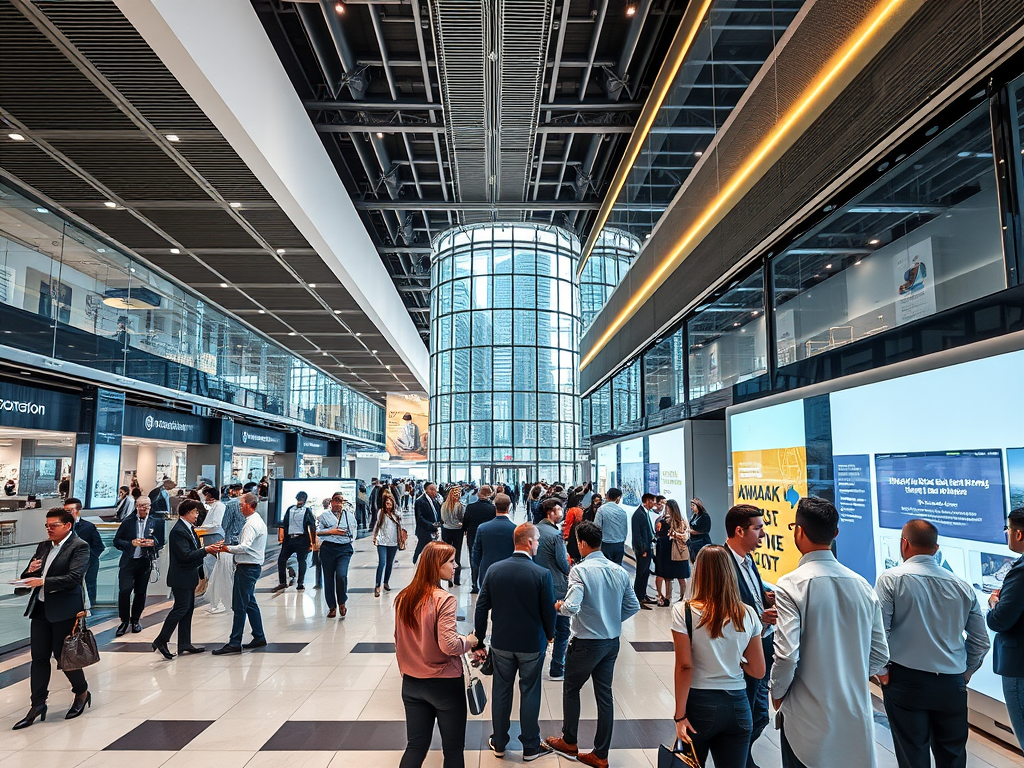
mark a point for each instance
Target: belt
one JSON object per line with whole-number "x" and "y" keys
{"x": 295, "y": 535}
{"x": 247, "y": 565}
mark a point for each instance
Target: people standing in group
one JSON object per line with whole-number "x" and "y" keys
{"x": 1006, "y": 618}
{"x": 479, "y": 512}
{"x": 551, "y": 554}
{"x": 599, "y": 599}
{"x": 717, "y": 640}
{"x": 296, "y": 532}
{"x": 452, "y": 512}
{"x": 161, "y": 498}
{"x": 88, "y": 533}
{"x": 428, "y": 518}
{"x": 614, "y": 524}
{"x": 590, "y": 510}
{"x": 387, "y": 533}
{"x": 429, "y": 651}
{"x": 926, "y": 610}
{"x": 140, "y": 537}
{"x": 249, "y": 554}
{"x": 643, "y": 548}
{"x": 338, "y": 530}
{"x": 494, "y": 540}
{"x": 700, "y": 528}
{"x": 218, "y": 568}
{"x": 828, "y": 641}
{"x": 184, "y": 569}
{"x": 672, "y": 555}
{"x": 55, "y": 574}
{"x": 125, "y": 503}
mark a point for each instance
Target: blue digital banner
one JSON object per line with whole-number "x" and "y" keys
{"x": 855, "y": 546}
{"x": 654, "y": 478}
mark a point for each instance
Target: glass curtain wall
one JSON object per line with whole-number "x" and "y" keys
{"x": 504, "y": 353}
{"x": 613, "y": 252}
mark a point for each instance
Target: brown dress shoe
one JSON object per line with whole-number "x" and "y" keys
{"x": 589, "y": 758}
{"x": 332, "y": 614}
{"x": 559, "y": 744}
{"x": 343, "y": 610}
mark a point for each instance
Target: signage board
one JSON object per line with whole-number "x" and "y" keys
{"x": 28, "y": 407}
{"x": 158, "y": 424}
{"x": 258, "y": 438}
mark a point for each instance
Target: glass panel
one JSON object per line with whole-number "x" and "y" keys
{"x": 626, "y": 394}
{"x": 663, "y": 374}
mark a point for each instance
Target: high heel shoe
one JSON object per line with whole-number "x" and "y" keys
{"x": 79, "y": 705}
{"x": 30, "y": 718}
{"x": 376, "y": 591}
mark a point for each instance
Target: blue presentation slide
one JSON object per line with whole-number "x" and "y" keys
{"x": 855, "y": 546}
{"x": 960, "y": 492}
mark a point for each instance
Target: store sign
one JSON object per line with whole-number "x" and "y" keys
{"x": 380, "y": 455}
{"x": 34, "y": 408}
{"x": 158, "y": 424}
{"x": 312, "y": 446}
{"x": 262, "y": 439}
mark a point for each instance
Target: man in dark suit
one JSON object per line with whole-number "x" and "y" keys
{"x": 296, "y": 532}
{"x": 140, "y": 537}
{"x": 184, "y": 567}
{"x": 479, "y": 512}
{"x": 428, "y": 518}
{"x": 643, "y": 548}
{"x": 744, "y": 525}
{"x": 87, "y": 532}
{"x": 520, "y": 598}
{"x": 551, "y": 554}
{"x": 1006, "y": 618}
{"x": 55, "y": 576}
{"x": 494, "y": 540}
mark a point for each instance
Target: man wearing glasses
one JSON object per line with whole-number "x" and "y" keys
{"x": 1006, "y": 618}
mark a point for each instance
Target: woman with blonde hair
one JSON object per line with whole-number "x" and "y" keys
{"x": 717, "y": 639}
{"x": 452, "y": 514}
{"x": 672, "y": 558}
{"x": 429, "y": 651}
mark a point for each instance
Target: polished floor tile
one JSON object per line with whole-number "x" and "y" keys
{"x": 161, "y": 735}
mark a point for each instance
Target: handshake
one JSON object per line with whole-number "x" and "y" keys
{"x": 216, "y": 549}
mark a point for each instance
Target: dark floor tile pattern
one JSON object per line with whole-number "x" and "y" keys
{"x": 374, "y": 648}
{"x": 652, "y": 647}
{"x": 160, "y": 735}
{"x": 125, "y": 646}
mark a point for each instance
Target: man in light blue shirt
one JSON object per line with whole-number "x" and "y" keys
{"x": 925, "y": 611}
{"x": 599, "y": 598}
{"x": 614, "y": 524}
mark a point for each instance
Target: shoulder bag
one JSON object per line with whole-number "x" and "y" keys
{"x": 476, "y": 696}
{"x": 680, "y": 550}
{"x": 79, "y": 648}
{"x": 682, "y": 754}
{"x": 403, "y": 535}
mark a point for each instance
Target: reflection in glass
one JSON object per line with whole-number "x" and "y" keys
{"x": 612, "y": 254}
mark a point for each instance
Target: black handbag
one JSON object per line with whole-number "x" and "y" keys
{"x": 80, "y": 648}
{"x": 681, "y": 755}
{"x": 476, "y": 696}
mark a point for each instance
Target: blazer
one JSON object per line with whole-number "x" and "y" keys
{"x": 185, "y": 561}
{"x": 518, "y": 595}
{"x": 643, "y": 533}
{"x": 1007, "y": 621}
{"x": 551, "y": 554}
{"x": 87, "y": 532}
{"x": 126, "y": 534}
{"x": 427, "y": 514}
{"x": 745, "y": 594}
{"x": 494, "y": 542}
{"x": 308, "y": 523}
{"x": 700, "y": 532}
{"x": 65, "y": 597}
{"x": 477, "y": 513}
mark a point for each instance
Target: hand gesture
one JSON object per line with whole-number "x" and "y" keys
{"x": 471, "y": 639}
{"x": 770, "y": 616}
{"x": 993, "y": 598}
{"x": 684, "y": 729}
{"x": 35, "y": 565}
{"x": 769, "y": 598}
{"x": 33, "y": 583}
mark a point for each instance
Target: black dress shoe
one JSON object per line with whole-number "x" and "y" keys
{"x": 121, "y": 630}
{"x": 256, "y": 644}
{"x": 30, "y": 718}
{"x": 136, "y": 627}
{"x": 227, "y": 649}
{"x": 191, "y": 649}
{"x": 163, "y": 650}
{"x": 82, "y": 700}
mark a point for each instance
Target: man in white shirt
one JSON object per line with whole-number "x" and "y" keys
{"x": 828, "y": 641}
{"x": 249, "y": 555}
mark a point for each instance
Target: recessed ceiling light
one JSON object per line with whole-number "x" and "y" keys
{"x": 631, "y": 10}
{"x": 280, "y": 251}
{"x": 325, "y": 354}
{"x": 291, "y": 333}
{"x": 312, "y": 285}
{"x": 337, "y": 311}
{"x": 373, "y": 351}
{"x": 15, "y": 137}
{"x": 698, "y": 153}
{"x": 875, "y": 241}
{"x": 104, "y": 250}
{"x": 828, "y": 266}
{"x": 132, "y": 270}
{"x": 856, "y": 263}
{"x": 735, "y": 325}
{"x": 175, "y": 250}
{"x": 339, "y": 8}
{"x": 110, "y": 204}
{"x": 380, "y": 135}
{"x": 223, "y": 285}
{"x": 235, "y": 205}
{"x": 387, "y": 367}
{"x": 42, "y": 210}
{"x": 172, "y": 137}
{"x": 358, "y": 335}
{"x": 263, "y": 312}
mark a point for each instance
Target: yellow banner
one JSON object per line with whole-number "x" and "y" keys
{"x": 773, "y": 480}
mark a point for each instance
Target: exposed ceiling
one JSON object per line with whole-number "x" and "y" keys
{"x": 444, "y": 112}
{"x": 106, "y": 122}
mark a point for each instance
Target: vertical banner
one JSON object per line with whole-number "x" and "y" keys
{"x": 407, "y": 427}
{"x": 915, "y": 282}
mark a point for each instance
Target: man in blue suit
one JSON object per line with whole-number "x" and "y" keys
{"x": 1006, "y": 619}
{"x": 494, "y": 540}
{"x": 520, "y": 598}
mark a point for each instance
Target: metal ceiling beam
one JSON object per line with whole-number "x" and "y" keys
{"x": 328, "y": 105}
{"x": 482, "y": 206}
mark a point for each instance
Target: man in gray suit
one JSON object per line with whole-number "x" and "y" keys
{"x": 551, "y": 554}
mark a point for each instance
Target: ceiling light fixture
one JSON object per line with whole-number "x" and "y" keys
{"x": 175, "y": 250}
{"x": 42, "y": 210}
{"x": 172, "y": 137}
{"x": 223, "y": 285}
{"x": 291, "y": 333}
{"x": 110, "y": 204}
{"x": 373, "y": 351}
{"x": 280, "y": 251}
{"x": 15, "y": 137}
{"x": 235, "y": 205}
{"x": 312, "y": 285}
{"x": 698, "y": 153}
{"x": 358, "y": 335}
{"x": 874, "y": 241}
{"x": 380, "y": 135}
{"x": 339, "y": 8}
{"x": 828, "y": 266}
{"x": 263, "y": 311}
{"x": 337, "y": 311}
{"x": 631, "y": 10}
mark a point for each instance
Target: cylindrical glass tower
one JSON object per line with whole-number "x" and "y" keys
{"x": 611, "y": 256}
{"x": 504, "y": 354}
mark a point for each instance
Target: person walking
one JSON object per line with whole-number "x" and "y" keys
{"x": 828, "y": 641}
{"x": 140, "y": 537}
{"x": 614, "y": 524}
{"x": 338, "y": 531}
{"x": 1006, "y": 618}
{"x": 717, "y": 641}
{"x": 249, "y": 554}
{"x": 479, "y": 512}
{"x": 429, "y": 652}
{"x": 598, "y": 600}
{"x": 518, "y": 595}
{"x": 54, "y": 575}
{"x": 700, "y": 528}
{"x": 428, "y": 518}
{"x": 672, "y": 558}
{"x": 387, "y": 533}
{"x": 452, "y": 513}
{"x": 643, "y": 548}
{"x": 926, "y": 610}
{"x": 494, "y": 540}
{"x": 296, "y": 532}
{"x": 551, "y": 554}
{"x": 125, "y": 503}
{"x": 184, "y": 568}
{"x": 88, "y": 533}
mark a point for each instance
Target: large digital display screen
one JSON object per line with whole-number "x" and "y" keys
{"x": 317, "y": 489}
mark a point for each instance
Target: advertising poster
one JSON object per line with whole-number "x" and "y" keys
{"x": 668, "y": 453}
{"x": 915, "y": 282}
{"x": 407, "y": 434}
{"x": 855, "y": 548}
{"x": 654, "y": 479}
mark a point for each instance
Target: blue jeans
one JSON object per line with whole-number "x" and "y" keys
{"x": 559, "y": 646}
{"x": 586, "y": 659}
{"x": 529, "y": 667}
{"x": 1013, "y": 691}
{"x": 243, "y": 604}
{"x": 614, "y": 552}
{"x": 385, "y": 560}
{"x": 335, "y": 559}
{"x": 722, "y": 723}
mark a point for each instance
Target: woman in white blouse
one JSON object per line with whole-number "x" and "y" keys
{"x": 219, "y": 569}
{"x": 385, "y": 538}
{"x": 717, "y": 638}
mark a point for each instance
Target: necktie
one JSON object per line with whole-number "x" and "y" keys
{"x": 753, "y": 583}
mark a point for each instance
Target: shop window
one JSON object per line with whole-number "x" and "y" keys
{"x": 663, "y": 374}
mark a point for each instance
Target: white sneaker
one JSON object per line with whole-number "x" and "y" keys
{"x": 216, "y": 610}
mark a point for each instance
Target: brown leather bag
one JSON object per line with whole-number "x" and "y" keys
{"x": 80, "y": 648}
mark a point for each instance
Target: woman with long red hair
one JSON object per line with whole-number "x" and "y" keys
{"x": 429, "y": 650}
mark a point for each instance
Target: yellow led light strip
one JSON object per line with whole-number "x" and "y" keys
{"x": 651, "y": 109}
{"x": 708, "y": 218}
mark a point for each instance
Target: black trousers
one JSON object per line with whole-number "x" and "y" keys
{"x": 90, "y": 579}
{"x": 927, "y": 711}
{"x": 133, "y": 577}
{"x": 421, "y": 544}
{"x": 643, "y": 575}
{"x": 47, "y": 641}
{"x": 299, "y": 546}
{"x": 470, "y": 540}
{"x": 454, "y": 538}
{"x": 180, "y": 616}
{"x": 442, "y": 699}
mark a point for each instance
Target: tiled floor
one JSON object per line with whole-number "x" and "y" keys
{"x": 324, "y": 694}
